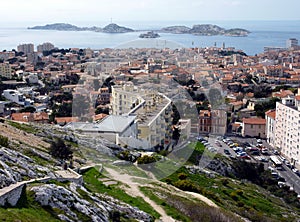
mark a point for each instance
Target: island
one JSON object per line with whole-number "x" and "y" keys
{"x": 203, "y": 29}
{"x": 110, "y": 28}
{"x": 150, "y": 35}
{"x": 206, "y": 30}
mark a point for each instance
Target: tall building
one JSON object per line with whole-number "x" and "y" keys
{"x": 270, "y": 126}
{"x": 287, "y": 128}
{"x": 26, "y": 48}
{"x": 47, "y": 46}
{"x": 153, "y": 111}
{"x": 5, "y": 70}
{"x": 292, "y": 42}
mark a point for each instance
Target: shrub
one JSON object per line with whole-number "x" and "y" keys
{"x": 59, "y": 149}
{"x": 182, "y": 176}
{"x": 239, "y": 192}
{"x": 186, "y": 185}
{"x": 240, "y": 204}
{"x": 225, "y": 181}
{"x": 234, "y": 196}
{"x": 146, "y": 159}
{"x": 3, "y": 141}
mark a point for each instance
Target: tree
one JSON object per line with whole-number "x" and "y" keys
{"x": 58, "y": 149}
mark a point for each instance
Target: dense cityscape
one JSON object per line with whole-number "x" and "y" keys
{"x": 163, "y": 111}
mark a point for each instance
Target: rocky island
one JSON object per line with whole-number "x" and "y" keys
{"x": 110, "y": 28}
{"x": 206, "y": 30}
{"x": 150, "y": 35}
{"x": 203, "y": 29}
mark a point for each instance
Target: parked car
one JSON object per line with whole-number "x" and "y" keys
{"x": 226, "y": 152}
{"x": 259, "y": 141}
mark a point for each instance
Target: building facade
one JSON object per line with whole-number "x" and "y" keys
{"x": 47, "y": 46}
{"x": 287, "y": 128}
{"x": 270, "y": 126}
{"x": 26, "y": 48}
{"x": 153, "y": 111}
{"x": 254, "y": 127}
{"x": 5, "y": 70}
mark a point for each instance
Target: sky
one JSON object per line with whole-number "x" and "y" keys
{"x": 72, "y": 11}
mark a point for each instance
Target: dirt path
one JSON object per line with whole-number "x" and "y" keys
{"x": 133, "y": 189}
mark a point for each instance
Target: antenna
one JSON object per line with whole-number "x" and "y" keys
{"x": 111, "y": 20}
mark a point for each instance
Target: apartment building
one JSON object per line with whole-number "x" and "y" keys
{"x": 47, "y": 46}
{"x": 153, "y": 111}
{"x": 5, "y": 70}
{"x": 270, "y": 126}
{"x": 26, "y": 48}
{"x": 287, "y": 128}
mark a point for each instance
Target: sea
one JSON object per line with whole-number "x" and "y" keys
{"x": 263, "y": 33}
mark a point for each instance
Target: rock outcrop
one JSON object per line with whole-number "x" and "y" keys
{"x": 74, "y": 206}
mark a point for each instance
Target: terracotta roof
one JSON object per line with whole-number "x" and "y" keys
{"x": 297, "y": 98}
{"x": 20, "y": 117}
{"x": 254, "y": 121}
{"x": 66, "y": 119}
{"x": 271, "y": 114}
{"x": 99, "y": 116}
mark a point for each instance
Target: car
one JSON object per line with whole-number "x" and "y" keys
{"x": 227, "y": 152}
{"x": 254, "y": 152}
{"x": 276, "y": 152}
{"x": 288, "y": 164}
{"x": 259, "y": 141}
{"x": 264, "y": 160}
{"x": 245, "y": 157}
{"x": 232, "y": 157}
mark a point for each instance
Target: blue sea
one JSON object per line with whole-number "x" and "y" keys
{"x": 263, "y": 33}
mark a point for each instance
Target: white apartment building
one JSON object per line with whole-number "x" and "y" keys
{"x": 5, "y": 70}
{"x": 153, "y": 111}
{"x": 270, "y": 126}
{"x": 287, "y": 128}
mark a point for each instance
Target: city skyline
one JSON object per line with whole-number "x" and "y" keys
{"x": 34, "y": 11}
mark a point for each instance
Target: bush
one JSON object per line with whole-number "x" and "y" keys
{"x": 182, "y": 176}
{"x": 59, "y": 149}
{"x": 240, "y": 204}
{"x": 239, "y": 192}
{"x": 3, "y": 141}
{"x": 234, "y": 196}
{"x": 225, "y": 181}
{"x": 146, "y": 159}
{"x": 186, "y": 185}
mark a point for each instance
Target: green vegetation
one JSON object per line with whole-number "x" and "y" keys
{"x": 3, "y": 141}
{"x": 22, "y": 126}
{"x": 183, "y": 209}
{"x": 93, "y": 184}
{"x": 260, "y": 109}
{"x": 171, "y": 211}
{"x": 27, "y": 210}
{"x": 59, "y": 149}
{"x": 245, "y": 199}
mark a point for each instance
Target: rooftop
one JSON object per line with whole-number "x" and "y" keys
{"x": 254, "y": 121}
{"x": 111, "y": 123}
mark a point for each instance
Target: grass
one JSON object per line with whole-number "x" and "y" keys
{"x": 92, "y": 183}
{"x": 186, "y": 209}
{"x": 171, "y": 211}
{"x": 241, "y": 198}
{"x": 27, "y": 210}
{"x": 21, "y": 126}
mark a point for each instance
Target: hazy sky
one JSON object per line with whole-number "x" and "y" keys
{"x": 41, "y": 11}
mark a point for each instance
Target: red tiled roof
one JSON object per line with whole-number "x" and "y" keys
{"x": 271, "y": 114}
{"x": 254, "y": 121}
